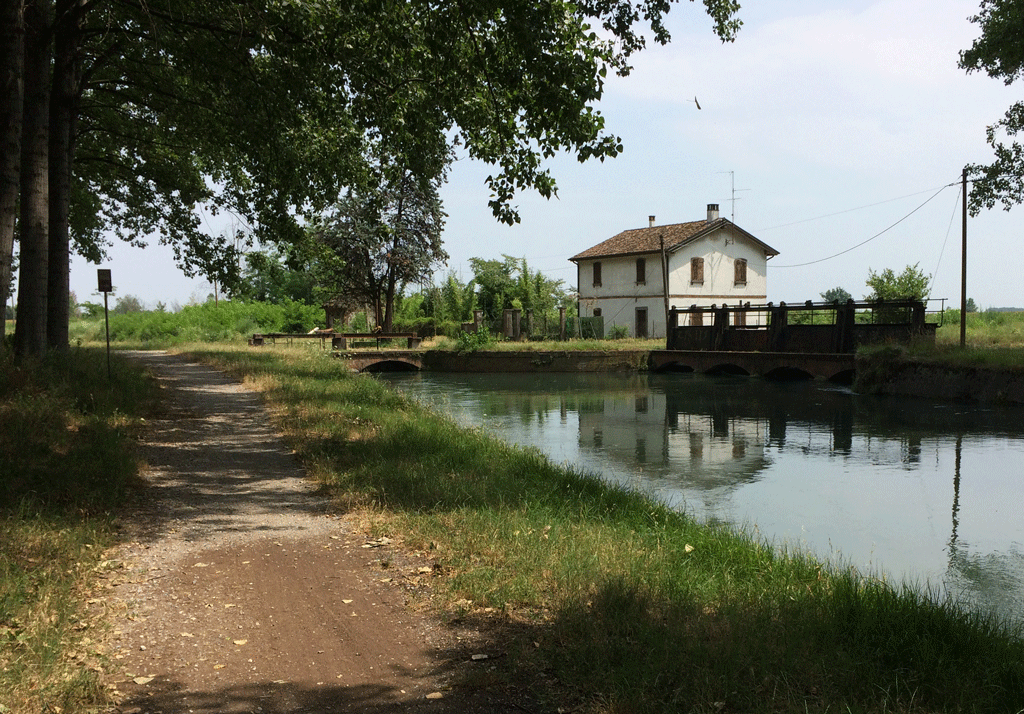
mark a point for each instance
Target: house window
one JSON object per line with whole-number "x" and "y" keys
{"x": 740, "y": 271}
{"x": 597, "y": 274}
{"x": 597, "y": 312}
{"x": 696, "y": 271}
{"x": 641, "y": 271}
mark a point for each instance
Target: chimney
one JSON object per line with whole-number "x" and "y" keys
{"x": 712, "y": 212}
{"x": 650, "y": 221}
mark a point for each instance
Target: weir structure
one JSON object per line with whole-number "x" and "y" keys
{"x": 808, "y": 328}
{"x": 808, "y": 340}
{"x": 813, "y": 339}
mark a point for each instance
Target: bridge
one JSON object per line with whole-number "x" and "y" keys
{"x": 383, "y": 360}
{"x": 771, "y": 365}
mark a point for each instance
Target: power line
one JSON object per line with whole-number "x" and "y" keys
{"x": 949, "y": 228}
{"x": 851, "y": 210}
{"x": 836, "y": 255}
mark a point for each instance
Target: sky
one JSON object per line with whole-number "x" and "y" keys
{"x": 834, "y": 132}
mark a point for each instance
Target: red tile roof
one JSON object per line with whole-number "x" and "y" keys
{"x": 648, "y": 240}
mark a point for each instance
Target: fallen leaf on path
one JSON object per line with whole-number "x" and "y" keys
{"x": 377, "y": 543}
{"x": 142, "y": 680}
{"x": 187, "y": 634}
{"x": 346, "y": 601}
{"x": 435, "y": 695}
{"x": 201, "y": 565}
{"x": 219, "y": 666}
{"x": 240, "y": 642}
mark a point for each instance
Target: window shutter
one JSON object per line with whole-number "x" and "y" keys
{"x": 740, "y": 271}
{"x": 696, "y": 270}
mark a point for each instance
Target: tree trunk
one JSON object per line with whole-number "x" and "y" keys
{"x": 389, "y": 300}
{"x": 30, "y": 332}
{"x": 63, "y": 127}
{"x": 12, "y": 35}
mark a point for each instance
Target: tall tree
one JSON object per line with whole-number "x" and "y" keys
{"x": 12, "y": 36}
{"x": 379, "y": 239}
{"x": 999, "y": 52}
{"x": 33, "y": 219}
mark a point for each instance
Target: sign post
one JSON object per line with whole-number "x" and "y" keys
{"x": 105, "y": 286}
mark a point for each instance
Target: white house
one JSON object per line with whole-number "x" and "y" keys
{"x": 709, "y": 262}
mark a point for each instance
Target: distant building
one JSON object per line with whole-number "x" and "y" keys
{"x": 709, "y": 262}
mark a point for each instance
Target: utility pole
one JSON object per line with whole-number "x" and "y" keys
{"x": 963, "y": 270}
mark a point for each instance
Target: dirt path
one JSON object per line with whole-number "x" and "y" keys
{"x": 240, "y": 592}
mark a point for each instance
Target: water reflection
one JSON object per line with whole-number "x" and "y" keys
{"x": 913, "y": 489}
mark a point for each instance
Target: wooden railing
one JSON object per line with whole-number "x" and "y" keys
{"x": 339, "y": 340}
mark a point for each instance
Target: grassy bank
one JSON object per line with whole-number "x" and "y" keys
{"x": 65, "y": 464}
{"x": 609, "y": 602}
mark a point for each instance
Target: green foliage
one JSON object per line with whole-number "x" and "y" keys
{"x": 91, "y": 309}
{"x": 209, "y": 322}
{"x": 507, "y": 283}
{"x": 380, "y": 237}
{"x": 836, "y": 294}
{"x": 971, "y": 305}
{"x": 912, "y": 283}
{"x": 472, "y": 341}
{"x": 999, "y": 52}
{"x": 275, "y": 275}
{"x": 127, "y": 304}
{"x": 618, "y": 332}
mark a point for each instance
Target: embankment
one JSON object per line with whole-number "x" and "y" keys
{"x": 894, "y": 374}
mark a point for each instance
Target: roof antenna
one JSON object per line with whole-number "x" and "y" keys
{"x": 732, "y": 180}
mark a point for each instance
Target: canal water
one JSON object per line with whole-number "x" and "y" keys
{"x": 924, "y": 492}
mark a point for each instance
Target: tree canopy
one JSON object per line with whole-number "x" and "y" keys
{"x": 379, "y": 239}
{"x": 999, "y": 52}
{"x": 127, "y": 115}
{"x": 836, "y": 294}
{"x": 912, "y": 283}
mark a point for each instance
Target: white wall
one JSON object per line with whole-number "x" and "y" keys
{"x": 619, "y": 295}
{"x": 720, "y": 252}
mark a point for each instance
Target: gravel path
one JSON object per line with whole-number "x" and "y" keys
{"x": 239, "y": 591}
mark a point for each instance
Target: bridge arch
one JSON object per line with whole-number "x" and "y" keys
{"x": 389, "y": 365}
{"x": 845, "y": 376}
{"x": 675, "y": 367}
{"x": 728, "y": 368}
{"x": 788, "y": 374}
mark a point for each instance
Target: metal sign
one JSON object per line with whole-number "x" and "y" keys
{"x": 103, "y": 275}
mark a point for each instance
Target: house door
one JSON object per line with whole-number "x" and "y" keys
{"x": 640, "y": 330}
